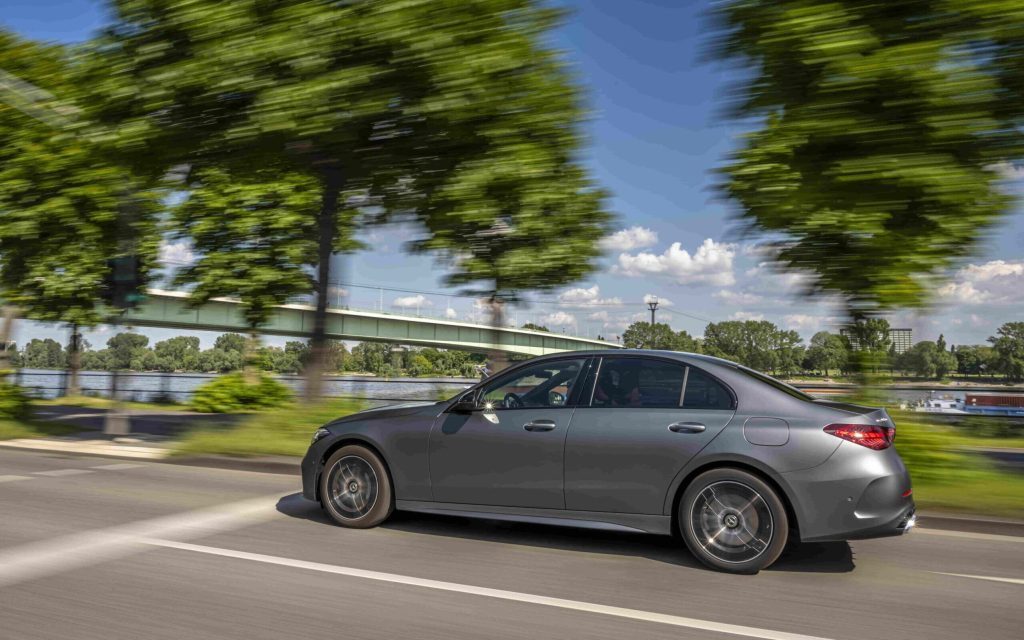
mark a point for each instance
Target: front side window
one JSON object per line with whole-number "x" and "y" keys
{"x": 544, "y": 385}
{"x": 639, "y": 383}
{"x": 704, "y": 392}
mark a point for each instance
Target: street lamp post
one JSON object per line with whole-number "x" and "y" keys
{"x": 653, "y": 306}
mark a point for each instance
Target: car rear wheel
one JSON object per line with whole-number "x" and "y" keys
{"x": 355, "y": 489}
{"x": 733, "y": 521}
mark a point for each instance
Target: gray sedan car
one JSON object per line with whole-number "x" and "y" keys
{"x": 734, "y": 462}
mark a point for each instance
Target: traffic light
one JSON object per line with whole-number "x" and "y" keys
{"x": 122, "y": 283}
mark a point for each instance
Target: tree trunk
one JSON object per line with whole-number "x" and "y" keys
{"x": 252, "y": 345}
{"x": 74, "y": 362}
{"x": 327, "y": 229}
{"x": 498, "y": 358}
{"x": 10, "y": 313}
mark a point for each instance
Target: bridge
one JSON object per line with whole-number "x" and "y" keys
{"x": 171, "y": 309}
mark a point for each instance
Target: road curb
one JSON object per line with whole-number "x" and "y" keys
{"x": 972, "y": 524}
{"x": 281, "y": 465}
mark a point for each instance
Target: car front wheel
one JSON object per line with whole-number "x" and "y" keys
{"x": 733, "y": 521}
{"x": 355, "y": 489}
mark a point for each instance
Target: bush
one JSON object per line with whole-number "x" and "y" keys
{"x": 232, "y": 393}
{"x": 14, "y": 402}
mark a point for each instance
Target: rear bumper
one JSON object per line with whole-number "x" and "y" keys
{"x": 857, "y": 493}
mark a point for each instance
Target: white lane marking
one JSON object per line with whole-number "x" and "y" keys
{"x": 992, "y": 578}
{"x": 57, "y": 555}
{"x": 13, "y": 478}
{"x": 62, "y": 472}
{"x": 118, "y": 467}
{"x": 989, "y": 537}
{"x": 619, "y": 612}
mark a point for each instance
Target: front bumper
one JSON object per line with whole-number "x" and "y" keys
{"x": 857, "y": 493}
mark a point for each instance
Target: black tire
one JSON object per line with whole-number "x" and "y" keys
{"x": 355, "y": 488}
{"x": 733, "y": 521}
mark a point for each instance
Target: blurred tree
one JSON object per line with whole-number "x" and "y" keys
{"x": 67, "y": 204}
{"x": 826, "y": 351}
{"x": 880, "y": 129}
{"x": 455, "y": 113}
{"x": 1009, "y": 347}
{"x": 255, "y": 235}
{"x": 642, "y": 335}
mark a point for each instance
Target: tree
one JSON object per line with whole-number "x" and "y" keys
{"x": 826, "y": 351}
{"x": 1009, "y": 347}
{"x": 43, "y": 354}
{"x": 529, "y": 326}
{"x": 753, "y": 343}
{"x": 643, "y": 335}
{"x": 940, "y": 344}
{"x": 230, "y": 342}
{"x": 789, "y": 351}
{"x": 67, "y": 205}
{"x": 127, "y": 349}
{"x": 926, "y": 360}
{"x": 180, "y": 353}
{"x": 975, "y": 359}
{"x": 873, "y": 163}
{"x": 392, "y": 107}
{"x": 255, "y": 234}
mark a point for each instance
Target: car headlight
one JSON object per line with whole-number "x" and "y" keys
{"x": 320, "y": 433}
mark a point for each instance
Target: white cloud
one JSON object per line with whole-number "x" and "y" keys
{"x": 587, "y": 298}
{"x": 804, "y": 322}
{"x": 176, "y": 254}
{"x": 450, "y": 313}
{"x": 1008, "y": 170}
{"x": 559, "y": 319}
{"x": 737, "y": 297}
{"x": 408, "y": 302}
{"x": 746, "y": 315}
{"x": 662, "y": 302}
{"x": 628, "y": 239}
{"x": 601, "y": 316}
{"x": 711, "y": 263}
{"x": 996, "y": 281}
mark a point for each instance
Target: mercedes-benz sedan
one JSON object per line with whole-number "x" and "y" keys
{"x": 734, "y": 462}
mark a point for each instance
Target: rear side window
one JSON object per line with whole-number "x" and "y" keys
{"x": 704, "y": 392}
{"x": 639, "y": 383}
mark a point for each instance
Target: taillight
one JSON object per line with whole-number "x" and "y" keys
{"x": 866, "y": 435}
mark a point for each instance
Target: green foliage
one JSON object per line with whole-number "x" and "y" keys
{"x": 529, "y": 326}
{"x": 234, "y": 393}
{"x": 180, "y": 353}
{"x": 66, "y": 205}
{"x": 758, "y": 344}
{"x": 926, "y": 360}
{"x": 1008, "y": 344}
{"x": 255, "y": 235}
{"x": 880, "y": 126}
{"x": 642, "y": 335}
{"x": 826, "y": 351}
{"x": 975, "y": 359}
{"x": 283, "y": 431}
{"x": 14, "y": 401}
{"x": 43, "y": 354}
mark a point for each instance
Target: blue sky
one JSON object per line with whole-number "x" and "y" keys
{"x": 654, "y": 139}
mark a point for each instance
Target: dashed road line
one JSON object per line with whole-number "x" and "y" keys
{"x": 13, "y": 478}
{"x": 500, "y": 594}
{"x": 62, "y": 472}
{"x": 990, "y": 578}
{"x": 118, "y": 467}
{"x": 62, "y": 554}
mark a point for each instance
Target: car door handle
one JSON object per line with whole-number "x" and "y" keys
{"x": 686, "y": 427}
{"x": 540, "y": 425}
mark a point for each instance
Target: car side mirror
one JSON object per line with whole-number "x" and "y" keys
{"x": 465, "y": 404}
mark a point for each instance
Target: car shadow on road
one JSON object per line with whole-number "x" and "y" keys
{"x": 821, "y": 557}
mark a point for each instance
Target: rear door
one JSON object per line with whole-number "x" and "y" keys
{"x": 645, "y": 419}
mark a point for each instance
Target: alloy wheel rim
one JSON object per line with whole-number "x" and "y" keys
{"x": 353, "y": 487}
{"x": 731, "y": 522}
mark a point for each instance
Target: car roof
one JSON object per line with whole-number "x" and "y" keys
{"x": 677, "y": 355}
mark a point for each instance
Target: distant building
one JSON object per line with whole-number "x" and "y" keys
{"x": 900, "y": 339}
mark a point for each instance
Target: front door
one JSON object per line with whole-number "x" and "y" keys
{"x": 639, "y": 430}
{"x": 508, "y": 452}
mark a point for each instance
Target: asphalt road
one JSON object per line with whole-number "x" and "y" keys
{"x": 99, "y": 548}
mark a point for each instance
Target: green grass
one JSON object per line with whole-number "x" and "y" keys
{"x": 92, "y": 402}
{"x": 11, "y": 428}
{"x": 946, "y": 478}
{"x": 285, "y": 431}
